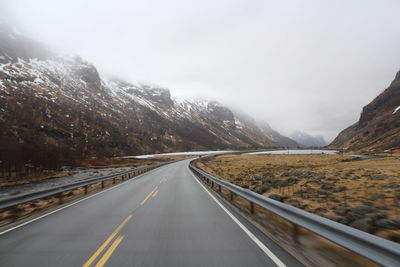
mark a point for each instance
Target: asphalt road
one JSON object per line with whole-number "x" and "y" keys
{"x": 162, "y": 218}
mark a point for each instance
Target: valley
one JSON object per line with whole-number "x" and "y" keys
{"x": 199, "y": 133}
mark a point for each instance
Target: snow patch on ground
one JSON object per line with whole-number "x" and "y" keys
{"x": 396, "y": 109}
{"x": 238, "y": 123}
{"x": 189, "y": 153}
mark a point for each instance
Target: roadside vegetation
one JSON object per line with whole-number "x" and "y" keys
{"x": 364, "y": 194}
{"x": 31, "y": 175}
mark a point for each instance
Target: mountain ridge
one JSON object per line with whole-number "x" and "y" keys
{"x": 378, "y": 128}
{"x": 56, "y": 108}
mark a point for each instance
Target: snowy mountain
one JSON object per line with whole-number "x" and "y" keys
{"x": 56, "y": 108}
{"x": 307, "y": 140}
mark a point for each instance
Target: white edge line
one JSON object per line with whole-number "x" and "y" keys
{"x": 244, "y": 228}
{"x": 69, "y": 205}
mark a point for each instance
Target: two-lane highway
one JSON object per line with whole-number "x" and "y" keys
{"x": 162, "y": 218}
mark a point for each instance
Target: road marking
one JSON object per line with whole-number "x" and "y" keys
{"x": 109, "y": 251}
{"x": 155, "y": 193}
{"x": 148, "y": 196}
{"x": 74, "y": 203}
{"x": 163, "y": 180}
{"x": 269, "y": 253}
{"x": 109, "y": 239}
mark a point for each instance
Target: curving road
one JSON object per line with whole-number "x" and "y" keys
{"x": 162, "y": 218}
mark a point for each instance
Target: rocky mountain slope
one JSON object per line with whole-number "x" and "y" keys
{"x": 307, "y": 140}
{"x": 55, "y": 108}
{"x": 379, "y": 126}
{"x": 274, "y": 135}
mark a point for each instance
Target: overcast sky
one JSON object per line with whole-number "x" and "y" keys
{"x": 299, "y": 65}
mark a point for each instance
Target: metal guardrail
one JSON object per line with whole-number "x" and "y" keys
{"x": 378, "y": 250}
{"x": 21, "y": 199}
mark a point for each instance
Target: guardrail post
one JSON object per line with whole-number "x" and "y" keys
{"x": 231, "y": 195}
{"x": 102, "y": 184}
{"x": 113, "y": 180}
{"x": 212, "y": 184}
{"x": 295, "y": 233}
{"x": 251, "y": 207}
{"x": 219, "y": 188}
{"x": 60, "y": 198}
{"x": 86, "y": 189}
{"x": 122, "y": 177}
{"x": 14, "y": 212}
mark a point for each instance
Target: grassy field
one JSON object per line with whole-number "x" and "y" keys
{"x": 364, "y": 194}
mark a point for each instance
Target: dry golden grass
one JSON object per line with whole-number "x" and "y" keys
{"x": 319, "y": 180}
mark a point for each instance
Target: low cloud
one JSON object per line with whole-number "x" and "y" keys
{"x": 300, "y": 65}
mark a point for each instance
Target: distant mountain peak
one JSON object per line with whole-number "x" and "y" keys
{"x": 306, "y": 140}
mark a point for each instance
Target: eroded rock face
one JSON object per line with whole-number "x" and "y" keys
{"x": 88, "y": 73}
{"x": 219, "y": 112}
{"x": 159, "y": 95}
{"x": 379, "y": 125}
{"x": 386, "y": 102}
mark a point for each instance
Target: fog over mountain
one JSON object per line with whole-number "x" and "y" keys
{"x": 306, "y": 140}
{"x": 303, "y": 65}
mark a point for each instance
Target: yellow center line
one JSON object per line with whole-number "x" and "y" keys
{"x": 109, "y": 251}
{"x": 155, "y": 193}
{"x": 149, "y": 195}
{"x": 104, "y": 245}
{"x": 116, "y": 242}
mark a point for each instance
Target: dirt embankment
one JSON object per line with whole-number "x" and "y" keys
{"x": 364, "y": 194}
